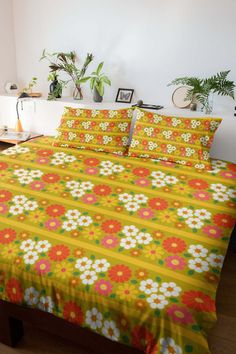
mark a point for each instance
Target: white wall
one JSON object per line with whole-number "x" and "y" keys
{"x": 144, "y": 43}
{"x": 7, "y": 44}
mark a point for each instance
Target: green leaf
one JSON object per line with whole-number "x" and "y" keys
{"x": 99, "y": 68}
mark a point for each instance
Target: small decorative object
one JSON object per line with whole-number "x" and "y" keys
{"x": 66, "y": 62}
{"x": 30, "y": 86}
{"x": 23, "y": 95}
{"x": 202, "y": 90}
{"x": 11, "y": 88}
{"x": 193, "y": 106}
{"x": 97, "y": 82}
{"x": 179, "y": 97}
{"x": 56, "y": 86}
{"x": 140, "y": 104}
{"x": 124, "y": 95}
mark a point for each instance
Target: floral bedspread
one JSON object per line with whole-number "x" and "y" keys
{"x": 129, "y": 248}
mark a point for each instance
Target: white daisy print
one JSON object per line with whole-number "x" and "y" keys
{"x": 215, "y": 260}
{"x": 128, "y": 243}
{"x": 125, "y": 197}
{"x": 46, "y": 304}
{"x": 157, "y": 174}
{"x": 43, "y": 246}
{"x": 86, "y": 185}
{"x": 140, "y": 198}
{"x": 220, "y": 197}
{"x": 144, "y": 238}
{"x": 158, "y": 183}
{"x": 117, "y": 168}
{"x": 130, "y": 230}
{"x": 69, "y": 225}
{"x": 16, "y": 209}
{"x": 30, "y": 257}
{"x": 171, "y": 180}
{"x": 31, "y": 296}
{"x": 88, "y": 277}
{"x": 185, "y": 213}
{"x": 198, "y": 264}
{"x": 27, "y": 245}
{"x": 83, "y": 264}
{"x": 73, "y": 214}
{"x": 35, "y": 173}
{"x": 132, "y": 206}
{"x": 106, "y": 164}
{"x": 170, "y": 289}
{"x": 218, "y": 187}
{"x": 157, "y": 301}
{"x": 19, "y": 199}
{"x": 94, "y": 318}
{"x": 197, "y": 251}
{"x": 202, "y": 214}
{"x": 110, "y": 330}
{"x": 148, "y": 286}
{"x": 84, "y": 220}
{"x": 101, "y": 265}
{"x": 194, "y": 223}
{"x": 168, "y": 346}
{"x": 72, "y": 184}
{"x": 30, "y": 205}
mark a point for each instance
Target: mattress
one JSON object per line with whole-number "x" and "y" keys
{"x": 126, "y": 247}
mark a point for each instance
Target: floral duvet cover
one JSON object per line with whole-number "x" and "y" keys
{"x": 129, "y": 248}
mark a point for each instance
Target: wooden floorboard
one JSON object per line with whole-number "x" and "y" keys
{"x": 222, "y": 339}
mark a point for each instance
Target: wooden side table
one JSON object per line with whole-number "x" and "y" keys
{"x": 4, "y": 144}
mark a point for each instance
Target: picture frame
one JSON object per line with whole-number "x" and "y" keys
{"x": 124, "y": 95}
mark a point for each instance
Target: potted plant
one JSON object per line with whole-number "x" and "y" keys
{"x": 66, "y": 62}
{"x": 201, "y": 89}
{"x": 97, "y": 82}
{"x": 56, "y": 86}
{"x": 28, "y": 90}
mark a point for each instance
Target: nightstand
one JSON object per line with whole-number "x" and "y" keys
{"x": 4, "y": 144}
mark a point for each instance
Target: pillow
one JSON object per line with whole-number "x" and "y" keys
{"x": 186, "y": 141}
{"x": 92, "y": 129}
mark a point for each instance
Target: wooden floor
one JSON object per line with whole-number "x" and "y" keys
{"x": 222, "y": 338}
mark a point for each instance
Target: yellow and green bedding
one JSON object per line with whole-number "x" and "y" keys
{"x": 129, "y": 248}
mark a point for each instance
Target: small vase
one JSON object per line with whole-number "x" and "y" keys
{"x": 207, "y": 106}
{"x": 77, "y": 93}
{"x": 53, "y": 87}
{"x": 96, "y": 96}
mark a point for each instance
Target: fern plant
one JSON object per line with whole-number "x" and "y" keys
{"x": 200, "y": 89}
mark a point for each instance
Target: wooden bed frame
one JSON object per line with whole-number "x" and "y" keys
{"x": 12, "y": 330}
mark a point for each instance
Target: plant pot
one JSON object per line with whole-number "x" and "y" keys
{"x": 96, "y": 96}
{"x": 77, "y": 94}
{"x": 53, "y": 87}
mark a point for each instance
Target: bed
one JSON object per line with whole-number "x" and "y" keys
{"x": 128, "y": 248}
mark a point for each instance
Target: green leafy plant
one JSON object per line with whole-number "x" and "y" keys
{"x": 67, "y": 62}
{"x": 57, "y": 92}
{"x": 98, "y": 80}
{"x": 32, "y": 83}
{"x": 200, "y": 89}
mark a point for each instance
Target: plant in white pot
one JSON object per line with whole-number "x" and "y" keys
{"x": 97, "y": 82}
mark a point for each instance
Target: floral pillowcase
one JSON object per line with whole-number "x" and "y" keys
{"x": 99, "y": 130}
{"x": 186, "y": 141}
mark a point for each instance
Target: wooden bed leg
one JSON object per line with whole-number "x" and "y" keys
{"x": 11, "y": 329}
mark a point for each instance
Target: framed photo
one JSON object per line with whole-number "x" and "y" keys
{"x": 124, "y": 95}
